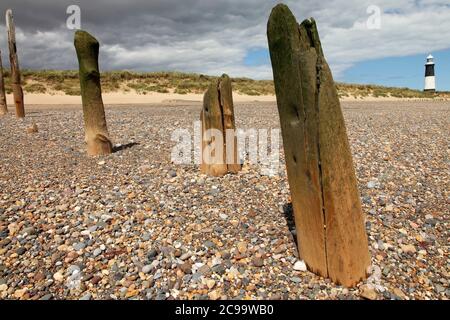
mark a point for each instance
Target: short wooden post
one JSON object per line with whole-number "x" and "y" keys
{"x": 218, "y": 130}
{"x": 325, "y": 198}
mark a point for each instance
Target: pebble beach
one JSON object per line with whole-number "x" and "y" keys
{"x": 134, "y": 225}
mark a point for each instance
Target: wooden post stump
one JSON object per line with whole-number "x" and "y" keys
{"x": 14, "y": 62}
{"x": 219, "y": 142}
{"x": 3, "y": 105}
{"x": 330, "y": 224}
{"x": 96, "y": 131}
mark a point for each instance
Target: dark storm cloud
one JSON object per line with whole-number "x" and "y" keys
{"x": 142, "y": 18}
{"x": 132, "y": 25}
{"x": 205, "y": 35}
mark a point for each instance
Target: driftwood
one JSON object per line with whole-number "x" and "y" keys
{"x": 96, "y": 131}
{"x": 14, "y": 62}
{"x": 325, "y": 198}
{"x": 218, "y": 129}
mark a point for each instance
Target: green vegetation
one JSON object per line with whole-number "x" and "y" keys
{"x": 35, "y": 88}
{"x": 359, "y": 91}
{"x": 54, "y": 81}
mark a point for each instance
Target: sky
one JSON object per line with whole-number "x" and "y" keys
{"x": 365, "y": 41}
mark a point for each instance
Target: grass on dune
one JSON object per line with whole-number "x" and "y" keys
{"x": 66, "y": 81}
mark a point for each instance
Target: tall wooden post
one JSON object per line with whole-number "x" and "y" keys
{"x": 219, "y": 141}
{"x": 325, "y": 198}
{"x": 14, "y": 62}
{"x": 96, "y": 131}
{"x": 3, "y": 105}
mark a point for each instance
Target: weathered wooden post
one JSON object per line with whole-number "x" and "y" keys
{"x": 96, "y": 131}
{"x": 14, "y": 62}
{"x": 325, "y": 198}
{"x": 219, "y": 142}
{"x": 3, "y": 105}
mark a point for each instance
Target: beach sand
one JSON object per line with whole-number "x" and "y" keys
{"x": 156, "y": 98}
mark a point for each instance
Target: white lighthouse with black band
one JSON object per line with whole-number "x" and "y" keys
{"x": 430, "y": 79}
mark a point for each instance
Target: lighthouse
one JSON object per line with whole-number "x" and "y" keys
{"x": 430, "y": 79}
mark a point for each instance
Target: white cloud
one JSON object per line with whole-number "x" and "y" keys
{"x": 400, "y": 35}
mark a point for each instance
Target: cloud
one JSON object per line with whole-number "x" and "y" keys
{"x": 213, "y": 37}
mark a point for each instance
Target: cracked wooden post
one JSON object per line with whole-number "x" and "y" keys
{"x": 96, "y": 131}
{"x": 3, "y": 105}
{"x": 219, "y": 153}
{"x": 328, "y": 216}
{"x": 14, "y": 62}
